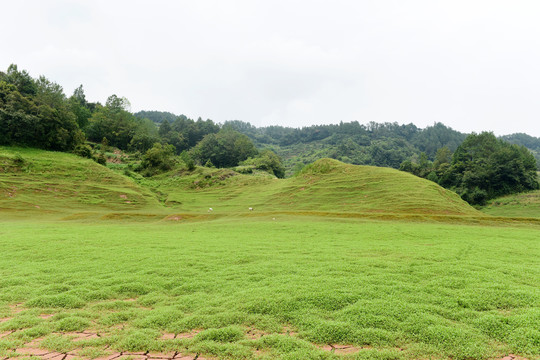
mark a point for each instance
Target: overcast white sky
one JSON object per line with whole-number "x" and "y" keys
{"x": 473, "y": 65}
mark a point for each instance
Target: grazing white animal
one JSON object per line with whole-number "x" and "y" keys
{"x": 250, "y": 209}
{"x": 210, "y": 209}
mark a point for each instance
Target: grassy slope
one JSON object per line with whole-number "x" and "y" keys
{"x": 519, "y": 205}
{"x": 51, "y": 183}
{"x": 400, "y": 290}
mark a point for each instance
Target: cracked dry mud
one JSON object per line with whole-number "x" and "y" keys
{"x": 33, "y": 349}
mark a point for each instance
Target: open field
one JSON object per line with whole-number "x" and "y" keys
{"x": 341, "y": 262}
{"x": 284, "y": 288}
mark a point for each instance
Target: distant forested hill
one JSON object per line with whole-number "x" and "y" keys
{"x": 380, "y": 144}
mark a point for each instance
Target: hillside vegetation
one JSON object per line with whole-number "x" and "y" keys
{"x": 51, "y": 182}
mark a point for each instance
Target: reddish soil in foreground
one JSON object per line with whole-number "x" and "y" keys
{"x": 34, "y": 350}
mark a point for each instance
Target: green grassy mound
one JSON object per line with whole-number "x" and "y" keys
{"x": 325, "y": 186}
{"x": 518, "y": 205}
{"x": 42, "y": 182}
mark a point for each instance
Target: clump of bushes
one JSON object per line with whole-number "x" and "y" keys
{"x": 267, "y": 161}
{"x": 159, "y": 158}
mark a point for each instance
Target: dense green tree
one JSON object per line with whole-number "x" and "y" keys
{"x": 164, "y": 128}
{"x": 227, "y": 148}
{"x": 484, "y": 167}
{"x": 194, "y": 131}
{"x": 118, "y": 127}
{"x": 115, "y": 123}
{"x": 39, "y": 116}
{"x": 443, "y": 156}
{"x": 19, "y": 121}
{"x": 79, "y": 107}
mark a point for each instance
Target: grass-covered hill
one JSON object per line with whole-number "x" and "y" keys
{"x": 327, "y": 186}
{"x": 40, "y": 182}
{"x": 37, "y": 182}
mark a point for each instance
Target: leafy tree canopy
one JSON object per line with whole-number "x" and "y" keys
{"x": 36, "y": 113}
{"x": 226, "y": 148}
{"x": 482, "y": 167}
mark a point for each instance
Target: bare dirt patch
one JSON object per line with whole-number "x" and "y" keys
{"x": 254, "y": 334}
{"x": 157, "y": 355}
{"x": 513, "y": 357}
{"x": 83, "y": 335}
{"x": 34, "y": 350}
{"x": 168, "y": 336}
{"x": 54, "y": 356}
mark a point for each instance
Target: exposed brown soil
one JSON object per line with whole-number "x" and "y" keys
{"x": 513, "y": 357}
{"x": 254, "y": 334}
{"x": 167, "y": 336}
{"x": 33, "y": 349}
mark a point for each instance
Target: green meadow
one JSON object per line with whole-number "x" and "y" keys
{"x": 339, "y": 262}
